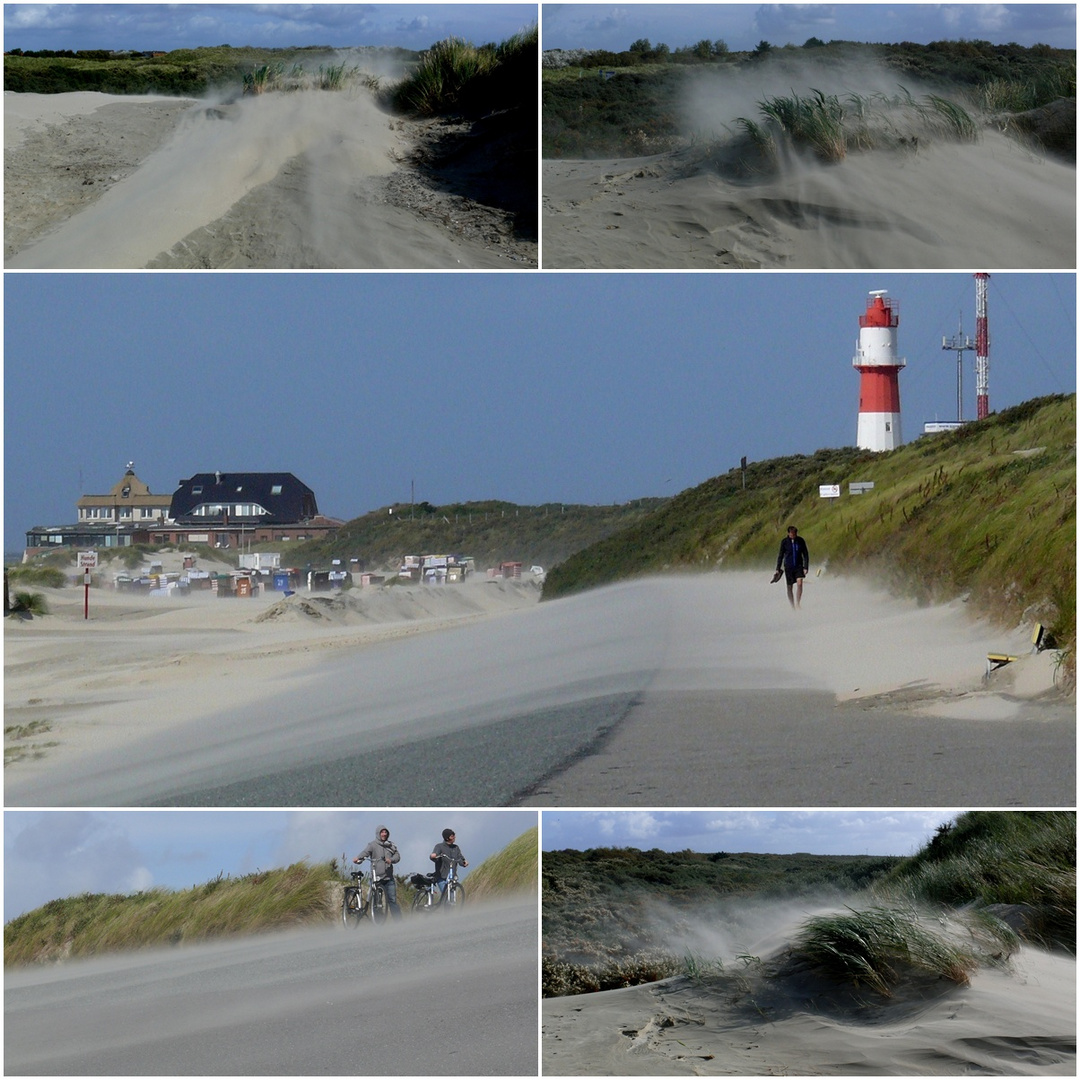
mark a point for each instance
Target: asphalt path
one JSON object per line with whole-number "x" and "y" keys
{"x": 675, "y": 692}
{"x": 433, "y": 995}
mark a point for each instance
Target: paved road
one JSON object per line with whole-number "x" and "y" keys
{"x": 416, "y": 998}
{"x": 676, "y": 692}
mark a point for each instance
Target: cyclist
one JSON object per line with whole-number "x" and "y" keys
{"x": 383, "y": 854}
{"x": 442, "y": 856}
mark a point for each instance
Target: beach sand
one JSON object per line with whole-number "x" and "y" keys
{"x": 701, "y": 690}
{"x": 308, "y": 180}
{"x": 993, "y": 203}
{"x": 1019, "y": 1020}
{"x": 73, "y": 682}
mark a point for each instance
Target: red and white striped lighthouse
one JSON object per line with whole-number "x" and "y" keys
{"x": 879, "y": 375}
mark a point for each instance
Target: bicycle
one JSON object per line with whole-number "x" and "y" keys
{"x": 364, "y": 898}
{"x": 428, "y": 895}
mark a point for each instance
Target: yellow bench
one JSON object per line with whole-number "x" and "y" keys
{"x": 994, "y": 660}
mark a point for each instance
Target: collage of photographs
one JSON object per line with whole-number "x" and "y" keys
{"x": 540, "y": 539}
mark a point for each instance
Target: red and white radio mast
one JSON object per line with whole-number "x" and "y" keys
{"x": 982, "y": 350}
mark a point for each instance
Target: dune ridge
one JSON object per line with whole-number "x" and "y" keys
{"x": 281, "y": 180}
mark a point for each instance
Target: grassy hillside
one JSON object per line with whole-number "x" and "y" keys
{"x": 297, "y": 895}
{"x": 637, "y": 110}
{"x": 491, "y": 532}
{"x": 988, "y": 511}
{"x": 514, "y": 869}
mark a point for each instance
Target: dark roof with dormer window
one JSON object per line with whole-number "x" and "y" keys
{"x": 270, "y": 498}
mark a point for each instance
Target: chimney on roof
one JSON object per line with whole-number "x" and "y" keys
{"x": 217, "y": 477}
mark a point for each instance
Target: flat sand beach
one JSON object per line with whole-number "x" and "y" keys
{"x": 992, "y": 203}
{"x": 695, "y": 690}
{"x": 308, "y": 180}
{"x": 1018, "y": 1020}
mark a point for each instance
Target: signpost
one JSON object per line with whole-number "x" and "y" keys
{"x": 87, "y": 562}
{"x": 829, "y": 491}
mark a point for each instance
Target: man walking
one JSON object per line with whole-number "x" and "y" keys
{"x": 794, "y": 563}
{"x": 383, "y": 854}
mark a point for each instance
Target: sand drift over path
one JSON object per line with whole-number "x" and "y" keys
{"x": 307, "y": 1003}
{"x": 993, "y": 203}
{"x": 279, "y": 180}
{"x": 670, "y": 691}
{"x": 1018, "y": 1021}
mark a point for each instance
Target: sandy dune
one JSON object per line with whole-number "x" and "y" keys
{"x": 1014, "y": 1021}
{"x": 991, "y": 204}
{"x": 300, "y": 180}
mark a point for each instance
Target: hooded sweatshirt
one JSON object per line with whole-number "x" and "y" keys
{"x": 383, "y": 855}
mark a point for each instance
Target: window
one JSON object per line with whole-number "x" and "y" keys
{"x": 275, "y": 489}
{"x": 197, "y": 489}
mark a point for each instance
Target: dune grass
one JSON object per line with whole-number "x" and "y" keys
{"x": 877, "y": 947}
{"x": 830, "y": 127}
{"x": 455, "y": 76}
{"x": 514, "y": 869}
{"x": 99, "y": 922}
{"x": 265, "y": 78}
{"x": 1022, "y": 859}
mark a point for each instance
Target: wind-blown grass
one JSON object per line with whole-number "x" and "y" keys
{"x": 264, "y": 78}
{"x": 877, "y": 947}
{"x": 100, "y": 922}
{"x": 1022, "y": 859}
{"x": 514, "y": 869}
{"x": 25, "y": 602}
{"x": 830, "y": 128}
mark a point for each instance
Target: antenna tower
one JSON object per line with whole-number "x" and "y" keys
{"x": 960, "y": 345}
{"x": 982, "y": 349}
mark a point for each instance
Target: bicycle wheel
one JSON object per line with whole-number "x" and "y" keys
{"x": 455, "y": 896}
{"x": 350, "y": 907}
{"x": 422, "y": 900}
{"x": 377, "y": 904}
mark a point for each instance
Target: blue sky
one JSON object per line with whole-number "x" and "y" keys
{"x": 50, "y": 854}
{"x": 578, "y": 388}
{"x": 181, "y": 26}
{"x": 742, "y": 26}
{"x": 775, "y": 832}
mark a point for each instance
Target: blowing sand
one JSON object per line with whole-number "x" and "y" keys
{"x": 993, "y": 203}
{"x": 301, "y": 180}
{"x": 664, "y": 692}
{"x": 1013, "y": 1021}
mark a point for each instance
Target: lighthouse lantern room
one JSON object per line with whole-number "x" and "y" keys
{"x": 879, "y": 375}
